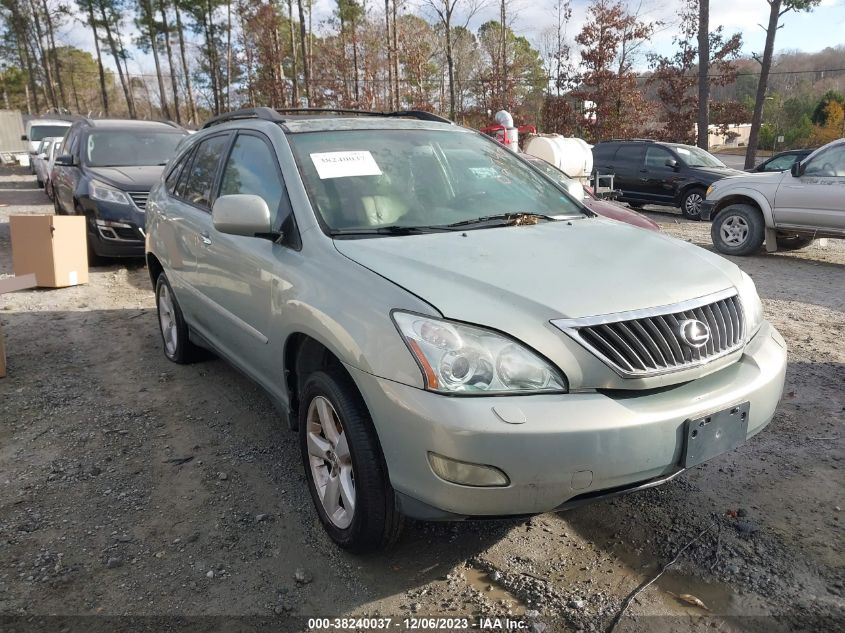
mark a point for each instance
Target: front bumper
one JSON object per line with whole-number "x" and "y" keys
{"x": 114, "y": 230}
{"x": 707, "y": 208}
{"x": 569, "y": 446}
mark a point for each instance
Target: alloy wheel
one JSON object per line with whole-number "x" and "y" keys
{"x": 331, "y": 462}
{"x": 734, "y": 230}
{"x": 692, "y": 204}
{"x": 167, "y": 320}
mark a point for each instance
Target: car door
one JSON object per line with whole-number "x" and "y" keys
{"x": 240, "y": 276}
{"x": 67, "y": 176}
{"x": 187, "y": 220}
{"x": 627, "y": 164}
{"x": 815, "y": 198}
{"x": 659, "y": 180}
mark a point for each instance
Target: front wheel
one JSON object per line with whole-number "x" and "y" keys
{"x": 738, "y": 229}
{"x": 343, "y": 464}
{"x": 691, "y": 204}
{"x": 174, "y": 330}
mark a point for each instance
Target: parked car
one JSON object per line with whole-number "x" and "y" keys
{"x": 48, "y": 171}
{"x": 104, "y": 171}
{"x": 782, "y": 161}
{"x": 42, "y": 157}
{"x": 39, "y": 129}
{"x": 603, "y": 208}
{"x": 450, "y": 334}
{"x": 786, "y": 210}
{"x": 653, "y": 172}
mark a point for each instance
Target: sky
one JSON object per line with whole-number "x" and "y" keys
{"x": 808, "y": 32}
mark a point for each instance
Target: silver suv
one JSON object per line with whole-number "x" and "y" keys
{"x": 787, "y": 210}
{"x": 450, "y": 333}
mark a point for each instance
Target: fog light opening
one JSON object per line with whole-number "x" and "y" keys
{"x": 467, "y": 474}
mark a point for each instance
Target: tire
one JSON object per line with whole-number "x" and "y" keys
{"x": 738, "y": 229}
{"x": 691, "y": 203}
{"x": 40, "y": 183}
{"x": 787, "y": 242}
{"x": 48, "y": 189}
{"x": 174, "y": 331}
{"x": 57, "y": 206}
{"x": 350, "y": 460}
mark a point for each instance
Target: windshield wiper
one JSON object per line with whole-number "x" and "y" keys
{"x": 393, "y": 229}
{"x": 504, "y": 219}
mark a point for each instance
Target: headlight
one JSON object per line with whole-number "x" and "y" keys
{"x": 751, "y": 305}
{"x": 99, "y": 191}
{"x": 458, "y": 358}
{"x": 709, "y": 191}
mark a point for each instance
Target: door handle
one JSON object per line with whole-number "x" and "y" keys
{"x": 205, "y": 238}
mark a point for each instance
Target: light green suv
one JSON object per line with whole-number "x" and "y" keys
{"x": 449, "y": 332}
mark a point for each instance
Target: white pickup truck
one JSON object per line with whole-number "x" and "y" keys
{"x": 786, "y": 210}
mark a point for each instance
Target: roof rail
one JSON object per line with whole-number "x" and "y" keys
{"x": 269, "y": 114}
{"x": 415, "y": 114}
{"x": 266, "y": 114}
{"x": 639, "y": 140}
{"x": 422, "y": 115}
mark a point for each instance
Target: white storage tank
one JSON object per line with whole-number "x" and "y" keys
{"x": 573, "y": 156}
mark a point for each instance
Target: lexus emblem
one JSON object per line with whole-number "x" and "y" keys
{"x": 694, "y": 333}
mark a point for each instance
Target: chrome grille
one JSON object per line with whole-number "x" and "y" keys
{"x": 650, "y": 342}
{"x": 139, "y": 198}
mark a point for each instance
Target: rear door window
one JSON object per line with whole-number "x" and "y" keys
{"x": 199, "y": 183}
{"x": 629, "y": 156}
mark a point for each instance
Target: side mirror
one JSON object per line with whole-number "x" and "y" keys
{"x": 65, "y": 160}
{"x": 671, "y": 163}
{"x": 796, "y": 170}
{"x": 241, "y": 214}
{"x": 24, "y": 137}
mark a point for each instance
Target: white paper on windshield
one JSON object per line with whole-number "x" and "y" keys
{"x": 345, "y": 164}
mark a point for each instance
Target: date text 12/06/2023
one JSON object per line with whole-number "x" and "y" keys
{"x": 439, "y": 624}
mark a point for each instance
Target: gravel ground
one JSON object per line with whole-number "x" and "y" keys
{"x": 130, "y": 486}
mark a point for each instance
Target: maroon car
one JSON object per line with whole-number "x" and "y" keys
{"x": 601, "y": 207}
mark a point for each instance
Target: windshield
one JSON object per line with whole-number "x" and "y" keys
{"x": 127, "y": 149}
{"x": 40, "y": 132}
{"x": 697, "y": 157}
{"x": 359, "y": 179}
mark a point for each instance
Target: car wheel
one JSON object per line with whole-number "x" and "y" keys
{"x": 691, "y": 204}
{"x": 738, "y": 229}
{"x": 793, "y": 242}
{"x": 48, "y": 189}
{"x": 344, "y": 466}
{"x": 174, "y": 330}
{"x": 40, "y": 183}
{"x": 57, "y": 206}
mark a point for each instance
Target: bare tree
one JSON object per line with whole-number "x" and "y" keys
{"x": 703, "y": 68}
{"x": 445, "y": 12}
{"x": 777, "y": 9}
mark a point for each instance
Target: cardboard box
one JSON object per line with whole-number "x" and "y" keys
{"x": 54, "y": 247}
{"x": 10, "y": 285}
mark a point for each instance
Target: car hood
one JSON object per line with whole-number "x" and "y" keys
{"x": 140, "y": 178}
{"x": 564, "y": 269}
{"x": 620, "y": 213}
{"x": 752, "y": 178}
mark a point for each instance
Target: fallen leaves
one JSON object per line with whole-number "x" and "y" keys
{"x": 690, "y": 600}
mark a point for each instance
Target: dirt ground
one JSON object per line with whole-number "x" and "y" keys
{"x": 131, "y": 487}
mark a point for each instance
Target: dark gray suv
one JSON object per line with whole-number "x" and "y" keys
{"x": 653, "y": 172}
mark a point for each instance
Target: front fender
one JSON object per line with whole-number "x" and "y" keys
{"x": 744, "y": 194}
